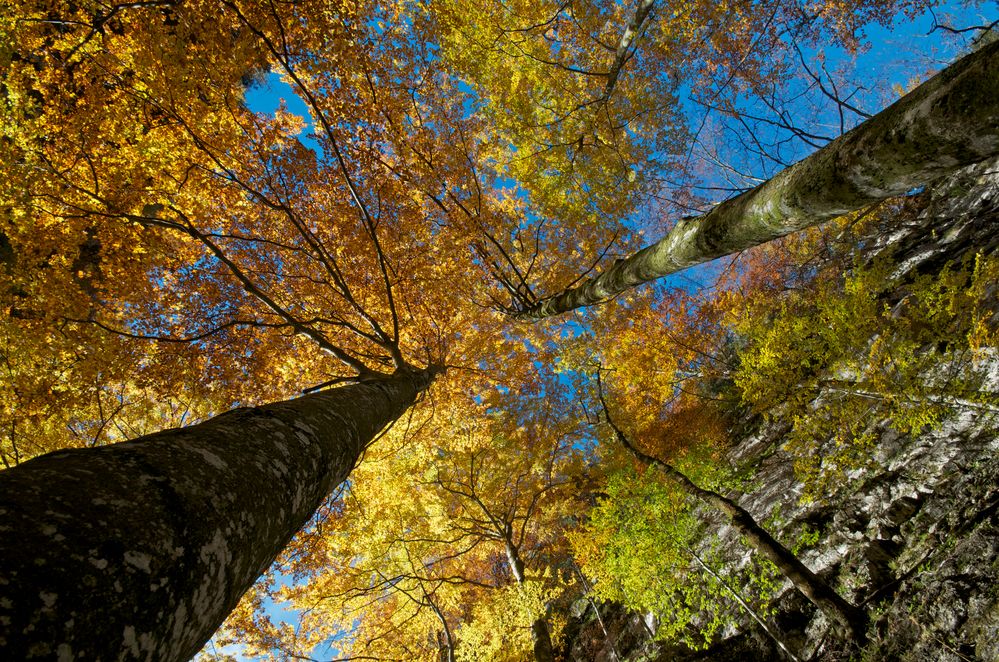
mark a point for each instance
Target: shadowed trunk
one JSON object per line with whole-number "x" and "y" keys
{"x": 139, "y": 550}
{"x": 948, "y": 122}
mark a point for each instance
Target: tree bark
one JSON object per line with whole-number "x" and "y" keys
{"x": 544, "y": 651}
{"x": 851, "y": 618}
{"x": 948, "y": 122}
{"x": 139, "y": 550}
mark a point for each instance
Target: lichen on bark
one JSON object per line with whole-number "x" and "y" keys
{"x": 948, "y": 122}
{"x": 139, "y": 550}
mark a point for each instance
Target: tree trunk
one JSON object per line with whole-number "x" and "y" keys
{"x": 543, "y": 649}
{"x": 852, "y": 619}
{"x": 139, "y": 550}
{"x": 540, "y": 635}
{"x": 948, "y": 122}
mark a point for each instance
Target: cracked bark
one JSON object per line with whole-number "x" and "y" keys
{"x": 949, "y": 122}
{"x": 139, "y": 550}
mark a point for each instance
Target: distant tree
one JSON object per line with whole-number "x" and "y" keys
{"x": 850, "y": 618}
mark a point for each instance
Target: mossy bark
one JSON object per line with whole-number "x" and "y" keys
{"x": 948, "y": 122}
{"x": 139, "y": 550}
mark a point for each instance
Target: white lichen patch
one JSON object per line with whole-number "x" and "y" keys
{"x": 211, "y": 458}
{"x": 306, "y": 428}
{"x": 130, "y": 641}
{"x": 179, "y": 622}
{"x": 138, "y": 559}
{"x": 217, "y": 547}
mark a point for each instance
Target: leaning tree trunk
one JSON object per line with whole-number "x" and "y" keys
{"x": 948, "y": 122}
{"x": 850, "y": 618}
{"x": 139, "y": 550}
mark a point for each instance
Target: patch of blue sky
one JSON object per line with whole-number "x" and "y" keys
{"x": 925, "y": 43}
{"x": 891, "y": 59}
{"x": 283, "y": 613}
{"x": 266, "y": 96}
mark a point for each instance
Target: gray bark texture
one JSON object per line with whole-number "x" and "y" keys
{"x": 139, "y": 550}
{"x": 948, "y": 122}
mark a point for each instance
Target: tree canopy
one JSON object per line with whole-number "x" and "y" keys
{"x": 168, "y": 253}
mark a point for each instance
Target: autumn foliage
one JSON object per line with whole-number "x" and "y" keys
{"x": 168, "y": 253}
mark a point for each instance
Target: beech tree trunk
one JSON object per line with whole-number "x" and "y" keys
{"x": 139, "y": 550}
{"x": 948, "y": 122}
{"x": 540, "y": 635}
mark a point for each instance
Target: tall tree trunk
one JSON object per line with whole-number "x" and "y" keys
{"x": 540, "y": 635}
{"x": 948, "y": 122}
{"x": 139, "y": 550}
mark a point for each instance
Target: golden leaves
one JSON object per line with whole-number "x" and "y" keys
{"x": 176, "y": 254}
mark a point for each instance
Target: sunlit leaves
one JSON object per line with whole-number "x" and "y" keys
{"x": 167, "y": 254}
{"x": 421, "y": 548}
{"x": 643, "y": 548}
{"x": 837, "y": 358}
